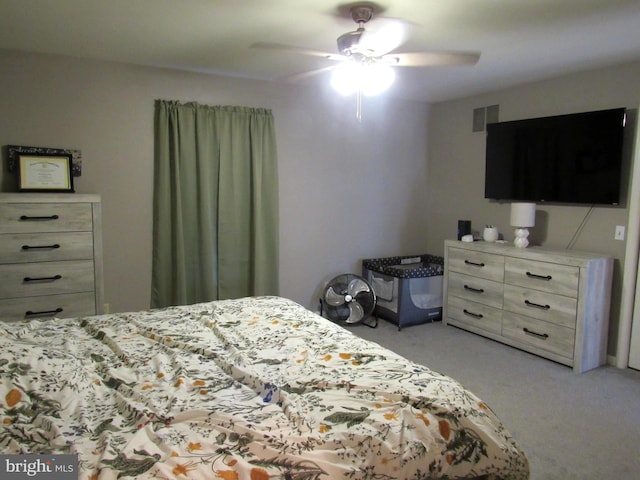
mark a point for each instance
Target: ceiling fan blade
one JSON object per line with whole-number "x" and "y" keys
{"x": 384, "y": 36}
{"x": 311, "y": 73}
{"x": 356, "y": 313}
{"x": 431, "y": 59}
{"x": 333, "y": 298}
{"x": 300, "y": 50}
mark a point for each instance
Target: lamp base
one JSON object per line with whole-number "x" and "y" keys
{"x": 521, "y": 240}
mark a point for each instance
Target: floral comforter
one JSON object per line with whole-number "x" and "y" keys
{"x": 248, "y": 389}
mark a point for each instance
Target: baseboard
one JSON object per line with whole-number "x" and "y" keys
{"x": 612, "y": 360}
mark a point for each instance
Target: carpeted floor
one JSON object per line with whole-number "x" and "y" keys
{"x": 571, "y": 426}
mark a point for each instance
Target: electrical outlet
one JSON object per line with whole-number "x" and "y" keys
{"x": 619, "y": 235}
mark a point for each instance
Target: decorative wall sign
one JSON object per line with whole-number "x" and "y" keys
{"x": 14, "y": 150}
{"x": 45, "y": 173}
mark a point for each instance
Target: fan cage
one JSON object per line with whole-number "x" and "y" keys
{"x": 340, "y": 285}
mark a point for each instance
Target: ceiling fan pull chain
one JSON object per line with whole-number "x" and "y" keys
{"x": 359, "y": 105}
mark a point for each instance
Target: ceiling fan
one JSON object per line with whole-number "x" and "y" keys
{"x": 366, "y": 55}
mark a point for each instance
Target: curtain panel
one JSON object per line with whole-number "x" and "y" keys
{"x": 215, "y": 203}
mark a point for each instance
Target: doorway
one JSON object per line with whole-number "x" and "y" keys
{"x": 634, "y": 347}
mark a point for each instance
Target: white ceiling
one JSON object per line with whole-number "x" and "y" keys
{"x": 520, "y": 40}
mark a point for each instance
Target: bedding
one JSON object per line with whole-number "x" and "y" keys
{"x": 252, "y": 388}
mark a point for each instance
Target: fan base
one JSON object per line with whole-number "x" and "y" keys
{"x": 371, "y": 322}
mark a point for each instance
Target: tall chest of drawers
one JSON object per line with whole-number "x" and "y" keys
{"x": 50, "y": 255}
{"x": 553, "y": 303}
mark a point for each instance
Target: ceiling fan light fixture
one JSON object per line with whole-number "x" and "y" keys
{"x": 346, "y": 77}
{"x": 370, "y": 78}
{"x": 377, "y": 79}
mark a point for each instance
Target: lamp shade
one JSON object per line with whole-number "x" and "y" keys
{"x": 523, "y": 214}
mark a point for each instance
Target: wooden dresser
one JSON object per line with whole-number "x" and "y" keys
{"x": 50, "y": 255}
{"x": 553, "y": 303}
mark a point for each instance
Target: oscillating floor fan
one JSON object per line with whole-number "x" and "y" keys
{"x": 350, "y": 299}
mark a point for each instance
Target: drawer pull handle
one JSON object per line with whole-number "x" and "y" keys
{"x": 30, "y": 313}
{"x": 475, "y": 264}
{"x": 474, "y": 290}
{"x": 539, "y": 277}
{"x": 28, "y": 218}
{"x": 539, "y": 335}
{"x": 471, "y": 314}
{"x": 42, "y": 279}
{"x": 536, "y": 305}
{"x": 31, "y": 247}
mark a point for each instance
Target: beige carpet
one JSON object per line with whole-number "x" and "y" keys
{"x": 571, "y": 426}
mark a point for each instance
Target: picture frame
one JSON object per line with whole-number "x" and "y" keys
{"x": 13, "y": 151}
{"x": 45, "y": 172}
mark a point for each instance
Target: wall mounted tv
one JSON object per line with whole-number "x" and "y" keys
{"x": 575, "y": 158}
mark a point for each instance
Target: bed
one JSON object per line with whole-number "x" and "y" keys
{"x": 252, "y": 388}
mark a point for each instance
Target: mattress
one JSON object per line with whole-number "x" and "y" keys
{"x": 251, "y": 388}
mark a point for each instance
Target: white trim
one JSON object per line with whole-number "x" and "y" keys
{"x": 630, "y": 275}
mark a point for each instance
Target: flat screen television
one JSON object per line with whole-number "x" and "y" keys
{"x": 574, "y": 158}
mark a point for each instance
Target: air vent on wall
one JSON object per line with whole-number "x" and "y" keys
{"x": 484, "y": 115}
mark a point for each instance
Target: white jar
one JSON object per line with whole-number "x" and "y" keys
{"x": 490, "y": 234}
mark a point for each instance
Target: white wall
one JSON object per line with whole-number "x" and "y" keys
{"x": 456, "y": 166}
{"x": 348, "y": 190}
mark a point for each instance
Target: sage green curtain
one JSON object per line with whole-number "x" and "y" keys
{"x": 215, "y": 203}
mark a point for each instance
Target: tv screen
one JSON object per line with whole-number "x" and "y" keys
{"x": 575, "y": 158}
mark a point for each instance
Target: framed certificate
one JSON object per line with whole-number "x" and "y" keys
{"x": 45, "y": 173}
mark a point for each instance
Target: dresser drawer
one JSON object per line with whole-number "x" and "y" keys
{"x": 539, "y": 334}
{"x": 45, "y": 247}
{"x": 461, "y": 311}
{"x": 549, "y": 307}
{"x": 478, "y": 264}
{"x": 548, "y": 277}
{"x": 48, "y": 306}
{"x": 475, "y": 289}
{"x": 45, "y": 217}
{"x": 46, "y": 278}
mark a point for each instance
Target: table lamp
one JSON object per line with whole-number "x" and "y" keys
{"x": 523, "y": 215}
